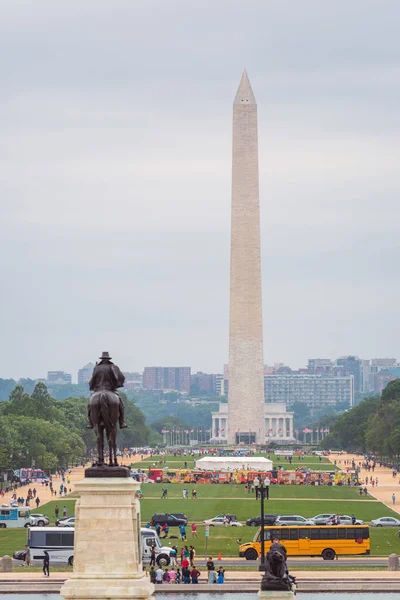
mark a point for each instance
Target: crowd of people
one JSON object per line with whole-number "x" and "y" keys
{"x": 187, "y": 572}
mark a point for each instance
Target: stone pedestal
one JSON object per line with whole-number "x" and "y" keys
{"x": 393, "y": 562}
{"x": 6, "y": 564}
{"x": 108, "y": 549}
{"x": 275, "y": 595}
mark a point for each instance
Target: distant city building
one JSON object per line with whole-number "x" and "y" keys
{"x": 309, "y": 389}
{"x": 59, "y": 377}
{"x": 133, "y": 380}
{"x": 350, "y": 365}
{"x": 320, "y": 365}
{"x": 167, "y": 378}
{"x": 206, "y": 383}
{"x": 219, "y": 385}
{"x": 85, "y": 374}
{"x": 383, "y": 377}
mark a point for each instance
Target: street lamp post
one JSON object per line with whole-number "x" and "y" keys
{"x": 262, "y": 487}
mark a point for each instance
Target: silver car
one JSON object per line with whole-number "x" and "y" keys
{"x": 38, "y": 520}
{"x": 385, "y": 522}
{"x": 287, "y": 520}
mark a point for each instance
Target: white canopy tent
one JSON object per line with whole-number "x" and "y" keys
{"x": 234, "y": 463}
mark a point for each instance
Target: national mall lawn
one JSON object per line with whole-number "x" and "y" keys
{"x": 214, "y": 499}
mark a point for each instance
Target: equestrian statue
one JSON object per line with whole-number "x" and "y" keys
{"x": 106, "y": 407}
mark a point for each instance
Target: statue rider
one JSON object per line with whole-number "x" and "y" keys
{"x": 107, "y": 377}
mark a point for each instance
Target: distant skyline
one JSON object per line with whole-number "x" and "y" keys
{"x": 116, "y": 179}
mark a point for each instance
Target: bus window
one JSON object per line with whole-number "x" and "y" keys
{"x": 285, "y": 533}
{"x": 23, "y": 513}
{"x": 36, "y": 539}
{"x": 352, "y": 533}
{"x": 67, "y": 539}
{"x": 304, "y": 534}
{"x": 365, "y": 533}
{"x": 341, "y": 533}
{"x": 294, "y": 534}
{"x": 315, "y": 533}
{"x": 5, "y": 513}
{"x": 53, "y": 539}
{"x": 330, "y": 533}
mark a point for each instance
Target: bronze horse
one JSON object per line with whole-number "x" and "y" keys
{"x": 104, "y": 409}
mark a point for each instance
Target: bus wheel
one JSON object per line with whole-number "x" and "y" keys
{"x": 3, "y": 525}
{"x": 328, "y": 554}
{"x": 26, "y": 525}
{"x": 251, "y": 554}
{"x": 71, "y": 561}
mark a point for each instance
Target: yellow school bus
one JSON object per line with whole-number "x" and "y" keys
{"x": 327, "y": 541}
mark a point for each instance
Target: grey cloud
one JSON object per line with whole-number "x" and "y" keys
{"x": 116, "y": 149}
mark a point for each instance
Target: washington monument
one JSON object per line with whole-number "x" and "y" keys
{"x": 246, "y": 363}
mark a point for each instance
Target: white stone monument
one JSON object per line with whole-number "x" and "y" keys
{"x": 246, "y": 363}
{"x": 108, "y": 549}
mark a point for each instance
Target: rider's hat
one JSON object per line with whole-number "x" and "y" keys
{"x": 105, "y": 356}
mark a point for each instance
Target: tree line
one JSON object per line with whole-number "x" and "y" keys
{"x": 372, "y": 426}
{"x": 36, "y": 429}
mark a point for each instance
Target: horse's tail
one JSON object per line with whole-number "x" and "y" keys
{"x": 104, "y": 411}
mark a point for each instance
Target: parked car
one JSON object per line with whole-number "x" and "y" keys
{"x": 256, "y": 521}
{"x": 321, "y": 519}
{"x": 221, "y": 521}
{"x": 70, "y": 522}
{"x": 292, "y": 520}
{"x": 344, "y": 520}
{"x": 60, "y": 522}
{"x": 38, "y": 520}
{"x": 172, "y": 519}
{"x": 228, "y": 515}
{"x": 385, "y": 522}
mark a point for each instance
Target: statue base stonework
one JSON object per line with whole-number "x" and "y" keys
{"x": 275, "y": 595}
{"x": 108, "y": 550}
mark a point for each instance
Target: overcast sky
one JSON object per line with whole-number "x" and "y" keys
{"x": 115, "y": 179}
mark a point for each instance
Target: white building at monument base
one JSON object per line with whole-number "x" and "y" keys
{"x": 278, "y": 425}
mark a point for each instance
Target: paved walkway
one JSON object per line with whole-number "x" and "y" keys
{"x": 77, "y": 473}
{"x": 232, "y": 575}
{"x": 387, "y": 483}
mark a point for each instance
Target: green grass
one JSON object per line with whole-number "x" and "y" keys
{"x": 205, "y": 491}
{"x": 230, "y": 498}
{"x": 178, "y": 462}
{"x": 12, "y": 540}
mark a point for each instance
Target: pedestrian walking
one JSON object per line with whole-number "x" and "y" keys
{"x": 192, "y": 554}
{"x": 173, "y": 555}
{"x": 153, "y": 556}
{"x": 212, "y": 576}
{"x": 152, "y": 575}
{"x": 56, "y": 511}
{"x": 393, "y": 498}
{"x": 195, "y": 574}
{"x": 46, "y": 564}
{"x": 159, "y": 575}
{"x": 210, "y": 564}
{"x": 64, "y": 511}
{"x": 194, "y": 530}
{"x": 221, "y": 575}
{"x": 27, "y": 559}
{"x": 182, "y": 530}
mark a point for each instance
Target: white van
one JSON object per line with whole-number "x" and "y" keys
{"x": 59, "y": 543}
{"x": 14, "y": 516}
